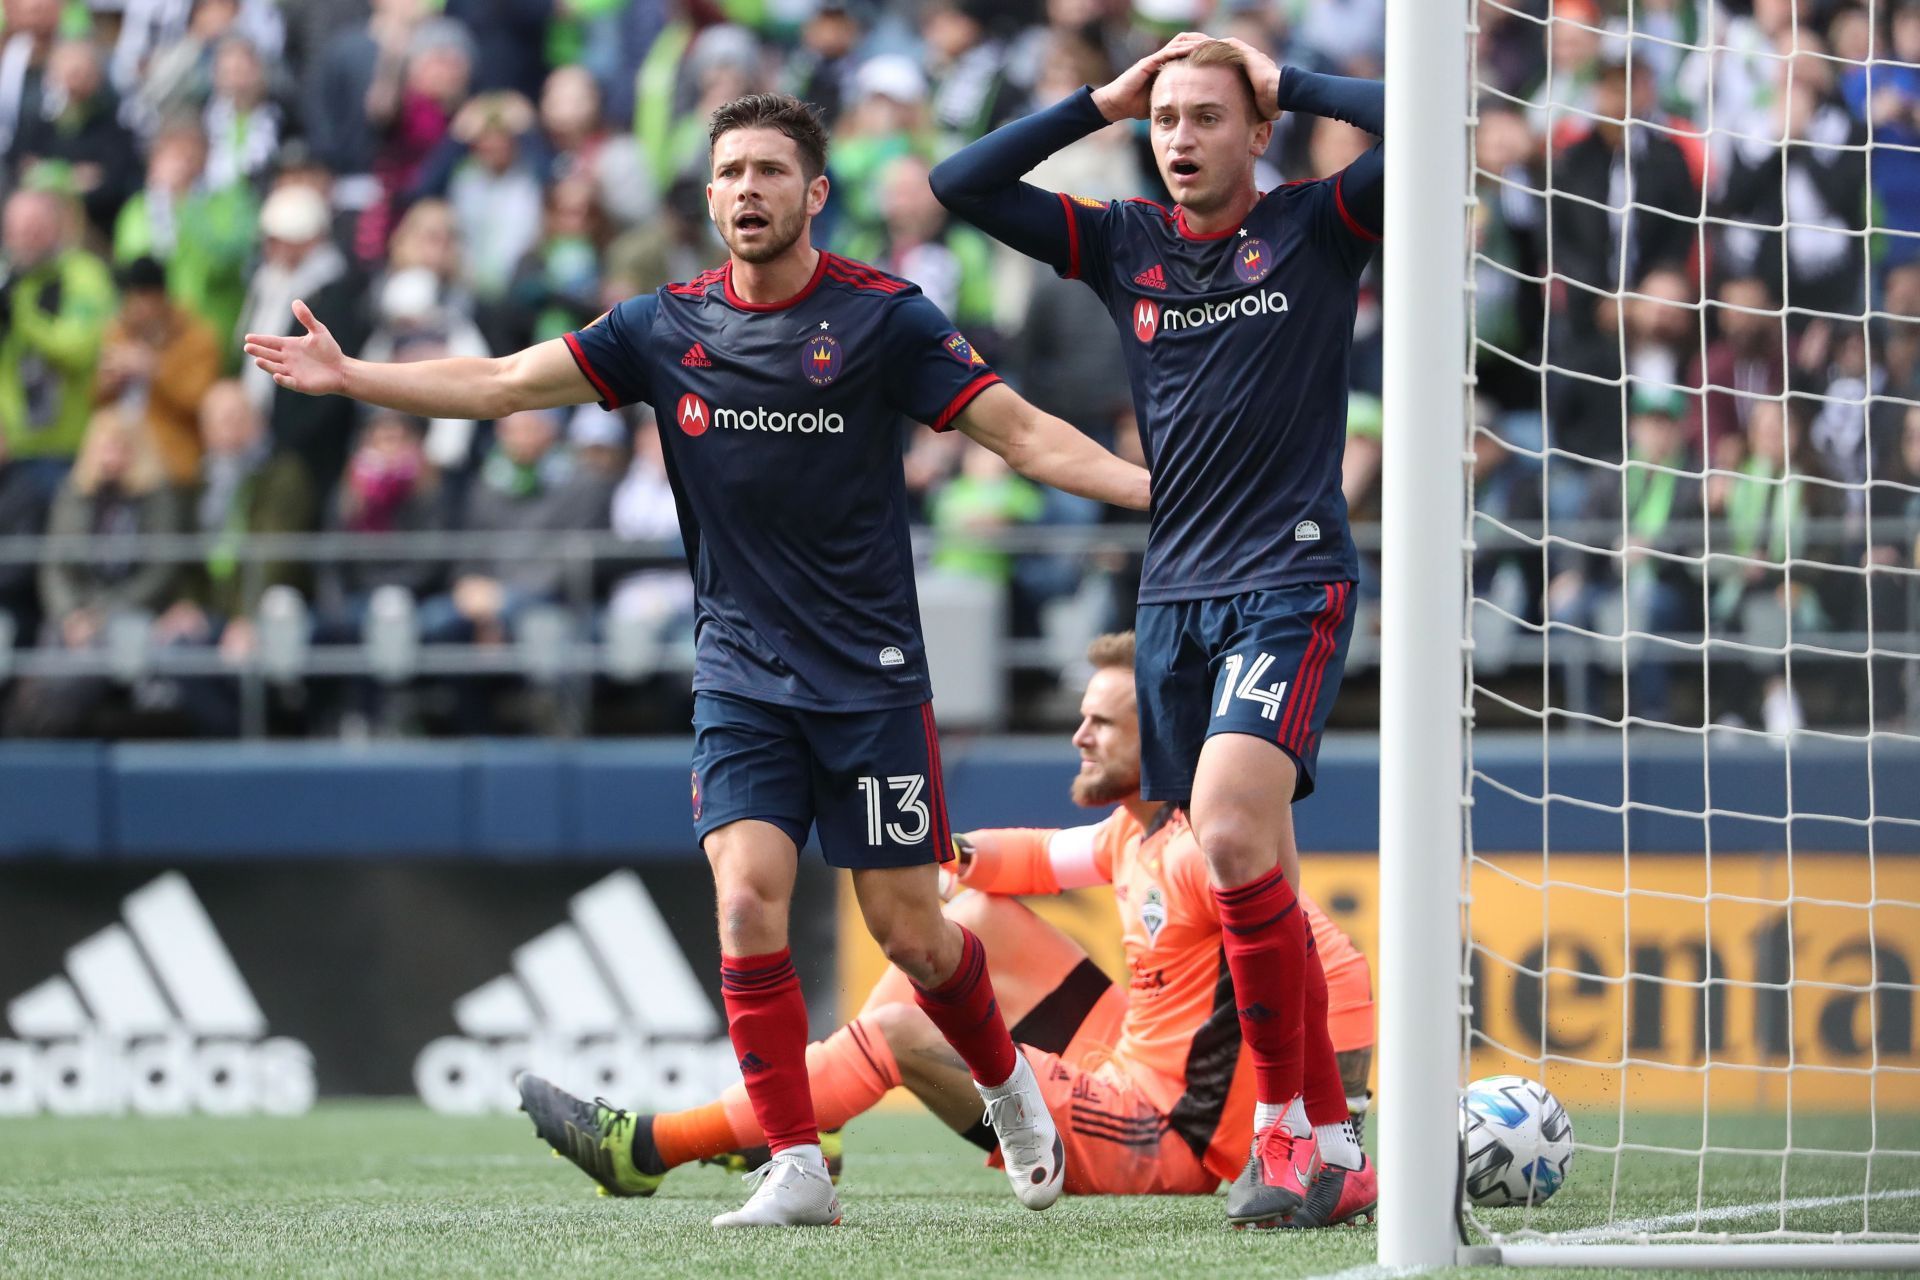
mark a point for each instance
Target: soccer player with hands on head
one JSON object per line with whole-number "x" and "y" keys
{"x": 1235, "y": 309}
{"x": 779, "y": 379}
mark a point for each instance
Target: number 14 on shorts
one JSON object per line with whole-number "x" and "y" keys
{"x": 908, "y": 802}
{"x": 1269, "y": 697}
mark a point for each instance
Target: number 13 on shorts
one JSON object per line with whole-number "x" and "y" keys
{"x": 908, "y": 801}
{"x": 1244, "y": 676}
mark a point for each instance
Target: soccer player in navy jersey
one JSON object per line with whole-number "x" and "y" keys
{"x": 1235, "y": 309}
{"x": 779, "y": 380}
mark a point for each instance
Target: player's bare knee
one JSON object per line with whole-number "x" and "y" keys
{"x": 978, "y": 911}
{"x": 902, "y": 1026}
{"x": 1235, "y": 848}
{"x": 913, "y": 953}
{"x": 749, "y": 916}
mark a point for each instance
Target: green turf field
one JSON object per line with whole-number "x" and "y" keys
{"x": 388, "y": 1189}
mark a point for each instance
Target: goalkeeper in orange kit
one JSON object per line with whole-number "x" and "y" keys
{"x": 1148, "y": 1083}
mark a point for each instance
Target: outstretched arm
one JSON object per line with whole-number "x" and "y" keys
{"x": 471, "y": 387}
{"x": 981, "y": 181}
{"x": 1049, "y": 451}
{"x": 1031, "y": 860}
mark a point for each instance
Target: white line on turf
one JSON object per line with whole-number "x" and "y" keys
{"x": 1731, "y": 1213}
{"x": 1375, "y": 1272}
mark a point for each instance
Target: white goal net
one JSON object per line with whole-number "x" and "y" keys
{"x": 1692, "y": 695}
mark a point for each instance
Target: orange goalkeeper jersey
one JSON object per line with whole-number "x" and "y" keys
{"x": 1180, "y": 1039}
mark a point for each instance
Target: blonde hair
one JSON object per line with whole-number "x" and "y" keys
{"x": 1219, "y": 53}
{"x": 1113, "y": 650}
{"x": 144, "y": 473}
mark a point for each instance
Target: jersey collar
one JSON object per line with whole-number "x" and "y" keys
{"x": 819, "y": 271}
{"x": 1188, "y": 233}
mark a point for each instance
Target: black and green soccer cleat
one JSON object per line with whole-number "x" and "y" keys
{"x": 613, "y": 1147}
{"x": 744, "y": 1162}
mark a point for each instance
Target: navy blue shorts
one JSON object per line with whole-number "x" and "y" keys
{"x": 869, "y": 779}
{"x": 1265, "y": 663}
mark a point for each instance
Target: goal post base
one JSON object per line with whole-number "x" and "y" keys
{"x": 1701, "y": 1257}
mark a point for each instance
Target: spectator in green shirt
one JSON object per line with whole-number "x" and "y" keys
{"x": 205, "y": 236}
{"x": 984, "y": 498}
{"x": 54, "y": 311}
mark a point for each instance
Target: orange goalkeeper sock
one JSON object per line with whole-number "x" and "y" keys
{"x": 685, "y": 1136}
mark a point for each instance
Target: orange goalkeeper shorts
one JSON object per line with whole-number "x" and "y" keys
{"x": 1117, "y": 1144}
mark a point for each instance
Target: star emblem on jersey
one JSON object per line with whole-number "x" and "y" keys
{"x": 692, "y": 415}
{"x": 820, "y": 359}
{"x": 960, "y": 349}
{"x": 696, "y": 358}
{"x": 1154, "y": 277}
{"x": 1252, "y": 260}
{"x": 1146, "y": 319}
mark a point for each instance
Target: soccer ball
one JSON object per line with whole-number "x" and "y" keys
{"x": 1519, "y": 1142}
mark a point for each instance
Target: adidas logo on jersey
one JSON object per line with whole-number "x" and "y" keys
{"x": 605, "y": 1003}
{"x": 153, "y": 1015}
{"x": 696, "y": 358}
{"x": 1154, "y": 277}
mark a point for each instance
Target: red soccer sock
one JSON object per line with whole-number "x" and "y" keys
{"x": 1264, "y": 933}
{"x": 1325, "y": 1095}
{"x": 767, "y": 1021}
{"x": 964, "y": 1009}
{"x": 851, "y": 1070}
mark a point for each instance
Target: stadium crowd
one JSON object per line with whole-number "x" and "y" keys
{"x": 470, "y": 176}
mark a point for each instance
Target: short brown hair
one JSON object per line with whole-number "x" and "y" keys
{"x": 1219, "y": 53}
{"x": 1113, "y": 650}
{"x": 775, "y": 111}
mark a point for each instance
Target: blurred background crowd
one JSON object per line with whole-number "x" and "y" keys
{"x": 1662, "y": 367}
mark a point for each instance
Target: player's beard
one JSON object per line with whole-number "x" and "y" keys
{"x": 782, "y": 234}
{"x": 1108, "y": 786}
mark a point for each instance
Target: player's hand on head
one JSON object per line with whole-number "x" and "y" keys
{"x": 311, "y": 363}
{"x": 1265, "y": 74}
{"x": 1126, "y": 96}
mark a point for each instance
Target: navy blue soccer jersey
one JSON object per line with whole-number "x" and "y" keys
{"x": 1237, "y": 348}
{"x": 781, "y": 426}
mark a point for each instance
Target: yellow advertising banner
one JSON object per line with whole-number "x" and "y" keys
{"x": 1655, "y": 982}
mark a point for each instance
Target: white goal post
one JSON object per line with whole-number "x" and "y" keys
{"x": 1706, "y": 941}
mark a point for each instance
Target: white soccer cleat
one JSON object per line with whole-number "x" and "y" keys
{"x": 1030, "y": 1145}
{"x": 790, "y": 1190}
